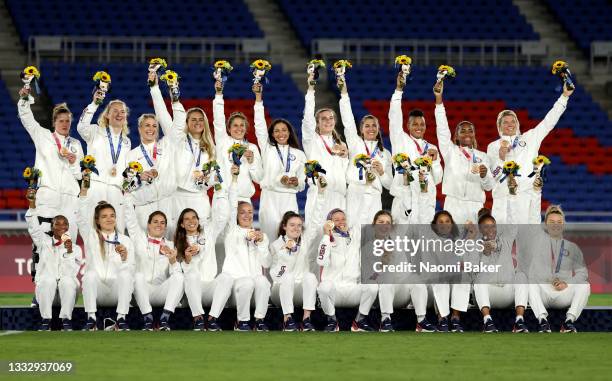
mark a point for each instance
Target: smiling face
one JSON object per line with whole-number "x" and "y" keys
{"x": 59, "y": 227}
{"x": 339, "y": 220}
{"x": 157, "y": 226}
{"x": 281, "y": 133}
{"x": 554, "y": 225}
{"x": 444, "y": 225}
{"x": 509, "y": 125}
{"x": 245, "y": 215}
{"x": 62, "y": 123}
{"x": 488, "y": 229}
{"x": 326, "y": 122}
{"x": 383, "y": 225}
{"x": 106, "y": 220}
{"x": 148, "y": 130}
{"x": 466, "y": 135}
{"x": 416, "y": 126}
{"x": 196, "y": 123}
{"x": 117, "y": 114}
{"x": 237, "y": 128}
{"x": 190, "y": 223}
{"x": 370, "y": 129}
{"x": 293, "y": 227}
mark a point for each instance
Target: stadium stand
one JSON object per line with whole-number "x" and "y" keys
{"x": 475, "y": 19}
{"x": 585, "y": 21}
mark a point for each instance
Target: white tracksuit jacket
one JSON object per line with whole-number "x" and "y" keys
{"x": 249, "y": 173}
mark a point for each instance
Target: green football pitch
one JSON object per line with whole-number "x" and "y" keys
{"x": 342, "y": 356}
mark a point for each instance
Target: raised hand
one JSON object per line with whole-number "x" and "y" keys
{"x": 219, "y": 87}
{"x": 98, "y": 97}
{"x": 153, "y": 78}
{"x": 400, "y": 82}
{"x": 567, "y": 92}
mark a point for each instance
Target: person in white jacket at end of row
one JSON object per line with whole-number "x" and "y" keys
{"x": 195, "y": 241}
{"x": 321, "y": 142}
{"x": 60, "y": 261}
{"x": 192, "y": 146}
{"x": 522, "y": 149}
{"x": 413, "y": 144}
{"x": 159, "y": 279}
{"x": 57, "y": 157}
{"x": 283, "y": 167}
{"x": 243, "y": 273}
{"x": 109, "y": 144}
{"x": 339, "y": 256}
{"x": 558, "y": 276}
{"x": 292, "y": 280}
{"x": 226, "y": 135}
{"x": 466, "y": 169}
{"x": 110, "y": 261}
{"x": 367, "y": 141}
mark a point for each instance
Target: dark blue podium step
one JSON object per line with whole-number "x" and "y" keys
{"x": 593, "y": 319}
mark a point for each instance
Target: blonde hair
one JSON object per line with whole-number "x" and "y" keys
{"x": 335, "y": 134}
{"x": 206, "y": 141}
{"x": 142, "y": 118}
{"x": 511, "y": 113}
{"x": 554, "y": 209}
{"x": 234, "y": 115}
{"x": 61, "y": 108}
{"x": 103, "y": 118}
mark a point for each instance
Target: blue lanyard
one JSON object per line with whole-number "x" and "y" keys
{"x": 368, "y": 150}
{"x": 146, "y": 154}
{"x": 515, "y": 142}
{"x": 197, "y": 164}
{"x": 115, "y": 241}
{"x": 295, "y": 248}
{"x": 560, "y": 258}
{"x": 280, "y": 156}
{"x": 114, "y": 157}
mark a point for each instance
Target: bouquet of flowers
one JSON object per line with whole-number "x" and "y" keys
{"x": 131, "y": 176}
{"x": 540, "y": 164}
{"x": 313, "y": 169}
{"x": 404, "y": 63}
{"x": 154, "y": 65}
{"x": 313, "y": 68}
{"x": 403, "y": 166}
{"x": 28, "y": 75}
{"x": 364, "y": 163}
{"x": 340, "y": 67}
{"x": 510, "y": 170}
{"x": 88, "y": 165}
{"x": 102, "y": 81}
{"x": 260, "y": 69}
{"x": 236, "y": 151}
{"x": 445, "y": 71}
{"x": 211, "y": 166}
{"x": 31, "y": 176}
{"x": 561, "y": 69}
{"x": 172, "y": 80}
{"x": 222, "y": 69}
{"x": 424, "y": 164}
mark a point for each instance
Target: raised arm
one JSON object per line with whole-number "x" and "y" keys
{"x": 309, "y": 123}
{"x": 27, "y": 120}
{"x": 261, "y": 130}
{"x": 31, "y": 216}
{"x": 131, "y": 220}
{"x": 348, "y": 119}
{"x": 86, "y": 130}
{"x": 84, "y": 214}
{"x": 443, "y": 132}
{"x": 164, "y": 117}
{"x": 219, "y": 114}
{"x": 256, "y": 168}
{"x": 396, "y": 118}
{"x": 539, "y": 132}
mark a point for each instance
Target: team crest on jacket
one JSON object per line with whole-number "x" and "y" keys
{"x": 522, "y": 143}
{"x": 201, "y": 241}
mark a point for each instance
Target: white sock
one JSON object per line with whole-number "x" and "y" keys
{"x": 485, "y": 318}
{"x": 420, "y": 318}
{"x": 384, "y": 316}
{"x": 91, "y": 315}
{"x": 518, "y": 317}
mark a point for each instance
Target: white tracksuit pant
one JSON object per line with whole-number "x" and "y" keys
{"x": 287, "y": 291}
{"x": 167, "y": 294}
{"x": 242, "y": 290}
{"x": 47, "y": 288}
{"x": 272, "y": 206}
{"x": 50, "y": 203}
{"x": 356, "y": 200}
{"x": 199, "y": 293}
{"x": 113, "y": 195}
{"x": 458, "y": 294}
{"x": 332, "y": 200}
{"x": 399, "y": 295}
{"x": 108, "y": 293}
{"x": 334, "y": 295}
{"x": 521, "y": 205}
{"x": 575, "y": 296}
{"x": 501, "y": 296}
{"x": 462, "y": 210}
